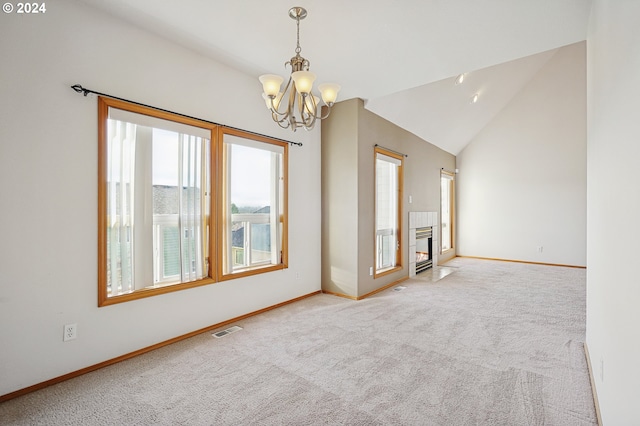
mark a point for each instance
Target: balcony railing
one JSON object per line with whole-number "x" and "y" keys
{"x": 251, "y": 239}
{"x": 386, "y": 244}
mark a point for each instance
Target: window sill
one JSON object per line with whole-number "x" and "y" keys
{"x": 388, "y": 271}
{"x": 246, "y": 272}
{"x": 151, "y": 291}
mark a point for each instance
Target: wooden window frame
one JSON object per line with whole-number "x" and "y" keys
{"x": 213, "y": 222}
{"x": 283, "y": 215}
{"x": 399, "y": 252}
{"x": 452, "y": 178}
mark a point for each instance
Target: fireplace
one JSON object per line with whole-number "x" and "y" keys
{"x": 423, "y": 241}
{"x": 424, "y": 248}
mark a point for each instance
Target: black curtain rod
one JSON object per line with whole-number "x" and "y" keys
{"x": 79, "y": 89}
{"x": 389, "y": 149}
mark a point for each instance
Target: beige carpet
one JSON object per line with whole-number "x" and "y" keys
{"x": 472, "y": 343}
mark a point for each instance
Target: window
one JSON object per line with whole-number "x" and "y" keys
{"x": 446, "y": 210}
{"x": 253, "y": 223}
{"x": 156, "y": 198}
{"x": 388, "y": 211}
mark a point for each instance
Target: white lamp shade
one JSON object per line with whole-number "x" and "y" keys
{"x": 303, "y": 81}
{"x": 276, "y": 100}
{"x": 329, "y": 92}
{"x": 271, "y": 84}
{"x": 309, "y": 104}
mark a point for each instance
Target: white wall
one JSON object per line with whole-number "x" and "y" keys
{"x": 613, "y": 207}
{"x": 48, "y": 181}
{"x": 522, "y": 179}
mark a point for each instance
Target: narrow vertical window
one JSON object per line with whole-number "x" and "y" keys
{"x": 388, "y": 211}
{"x": 446, "y": 210}
{"x": 253, "y": 203}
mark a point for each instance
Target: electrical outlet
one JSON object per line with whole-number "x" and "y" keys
{"x": 540, "y": 249}
{"x": 297, "y": 275}
{"x": 70, "y": 332}
{"x": 371, "y": 271}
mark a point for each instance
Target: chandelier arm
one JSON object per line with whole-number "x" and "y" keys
{"x": 308, "y": 117}
{"x": 311, "y": 122}
{"x": 301, "y": 104}
{"x": 282, "y": 122}
{"x": 315, "y": 113}
{"x": 314, "y": 104}
{"x": 273, "y": 108}
{"x": 293, "y": 94}
{"x": 274, "y": 111}
{"x": 322, "y": 117}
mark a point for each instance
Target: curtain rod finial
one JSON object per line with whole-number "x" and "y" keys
{"x": 79, "y": 89}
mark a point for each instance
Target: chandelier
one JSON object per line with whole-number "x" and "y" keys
{"x": 302, "y": 107}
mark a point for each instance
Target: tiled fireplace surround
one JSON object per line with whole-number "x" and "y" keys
{"x": 421, "y": 220}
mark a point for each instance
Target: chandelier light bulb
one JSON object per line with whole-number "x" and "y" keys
{"x": 329, "y": 92}
{"x": 303, "y": 81}
{"x": 475, "y": 98}
{"x": 460, "y": 79}
{"x": 271, "y": 84}
{"x": 310, "y": 104}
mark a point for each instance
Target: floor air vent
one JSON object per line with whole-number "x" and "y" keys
{"x": 229, "y": 330}
{"x": 399, "y": 288}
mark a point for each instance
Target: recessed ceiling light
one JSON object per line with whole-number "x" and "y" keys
{"x": 459, "y": 79}
{"x": 474, "y": 98}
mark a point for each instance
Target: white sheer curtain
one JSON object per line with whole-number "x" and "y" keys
{"x": 120, "y": 206}
{"x": 277, "y": 182}
{"x": 138, "y": 248}
{"x": 192, "y": 181}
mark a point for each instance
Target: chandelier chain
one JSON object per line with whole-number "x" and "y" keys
{"x": 298, "y": 48}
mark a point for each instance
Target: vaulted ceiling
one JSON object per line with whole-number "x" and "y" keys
{"x": 401, "y": 57}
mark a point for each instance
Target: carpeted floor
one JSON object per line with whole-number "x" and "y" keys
{"x": 474, "y": 342}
